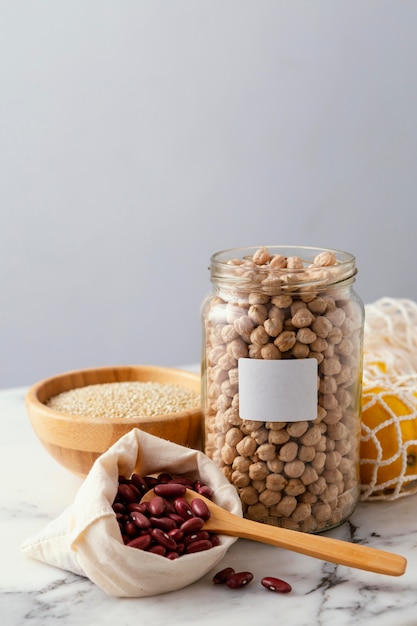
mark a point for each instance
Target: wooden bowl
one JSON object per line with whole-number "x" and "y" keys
{"x": 76, "y": 442}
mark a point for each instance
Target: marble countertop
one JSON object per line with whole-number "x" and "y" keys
{"x": 36, "y": 490}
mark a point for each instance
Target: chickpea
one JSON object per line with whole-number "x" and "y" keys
{"x": 241, "y": 464}
{"x": 294, "y": 487}
{"x": 317, "y": 306}
{"x": 285, "y": 340}
{"x": 278, "y": 261}
{"x": 257, "y": 511}
{"x": 259, "y": 336}
{"x": 288, "y": 452}
{"x": 260, "y": 435}
{"x": 258, "y": 471}
{"x": 266, "y": 452}
{"x": 306, "y": 336}
{"x": 306, "y": 453}
{"x": 294, "y": 262}
{"x": 240, "y": 479}
{"x": 238, "y": 349}
{"x": 261, "y": 256}
{"x": 312, "y": 436}
{"x": 233, "y": 436}
{"x": 246, "y": 446}
{"x": 248, "y": 495}
{"x": 257, "y": 313}
{"x": 228, "y": 333}
{"x": 276, "y": 482}
{"x": 255, "y": 351}
{"x": 301, "y": 512}
{"x": 321, "y": 511}
{"x": 294, "y": 469}
{"x": 257, "y": 298}
{"x": 228, "y": 453}
{"x": 270, "y": 351}
{"x": 278, "y": 437}
{"x": 244, "y": 326}
{"x": 286, "y": 506}
{"x": 309, "y": 475}
{"x": 297, "y": 429}
{"x": 275, "y": 466}
{"x": 269, "y": 498}
{"x": 302, "y": 318}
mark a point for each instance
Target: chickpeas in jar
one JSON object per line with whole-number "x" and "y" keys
{"x": 282, "y": 371}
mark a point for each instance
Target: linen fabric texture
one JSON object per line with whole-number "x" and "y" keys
{"x": 85, "y": 539}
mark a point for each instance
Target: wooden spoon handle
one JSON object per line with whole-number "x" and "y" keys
{"x": 318, "y": 546}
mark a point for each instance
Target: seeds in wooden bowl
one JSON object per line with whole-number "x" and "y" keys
{"x": 126, "y": 400}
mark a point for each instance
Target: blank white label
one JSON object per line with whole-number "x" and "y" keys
{"x": 278, "y": 391}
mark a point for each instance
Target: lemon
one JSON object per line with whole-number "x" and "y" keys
{"x": 388, "y": 450}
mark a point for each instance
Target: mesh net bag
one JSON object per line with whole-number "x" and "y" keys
{"x": 388, "y": 453}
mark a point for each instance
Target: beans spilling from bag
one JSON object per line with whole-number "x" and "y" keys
{"x": 167, "y": 524}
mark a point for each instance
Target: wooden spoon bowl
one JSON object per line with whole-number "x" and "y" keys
{"x": 318, "y": 546}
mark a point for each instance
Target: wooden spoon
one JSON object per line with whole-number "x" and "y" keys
{"x": 334, "y": 550}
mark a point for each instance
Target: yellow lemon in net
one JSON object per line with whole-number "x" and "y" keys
{"x": 388, "y": 450}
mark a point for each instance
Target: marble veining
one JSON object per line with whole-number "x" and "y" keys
{"x": 36, "y": 490}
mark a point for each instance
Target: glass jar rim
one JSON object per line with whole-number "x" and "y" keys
{"x": 224, "y": 268}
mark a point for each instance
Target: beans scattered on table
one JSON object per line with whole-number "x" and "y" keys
{"x": 237, "y": 580}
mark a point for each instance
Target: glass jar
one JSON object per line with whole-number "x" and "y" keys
{"x": 282, "y": 376}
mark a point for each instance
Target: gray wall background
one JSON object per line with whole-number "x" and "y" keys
{"x": 139, "y": 137}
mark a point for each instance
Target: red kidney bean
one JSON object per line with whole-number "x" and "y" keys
{"x": 157, "y": 549}
{"x": 142, "y": 543}
{"x": 118, "y": 507}
{"x": 206, "y": 491}
{"x": 215, "y": 541}
{"x": 183, "y": 508}
{"x": 156, "y": 506}
{"x": 177, "y": 518}
{"x": 202, "y": 534}
{"x": 169, "y": 490}
{"x": 142, "y": 507}
{"x": 177, "y": 534}
{"x": 140, "y": 520}
{"x": 139, "y": 483}
{"x": 192, "y": 525}
{"x": 223, "y": 575}
{"x": 200, "y": 508}
{"x": 172, "y": 555}
{"x": 163, "y": 539}
{"x": 198, "y": 546}
{"x": 164, "y": 477}
{"x": 131, "y": 529}
{"x": 164, "y": 523}
{"x": 276, "y": 584}
{"x": 239, "y": 579}
{"x": 169, "y": 507}
{"x": 128, "y": 493}
{"x": 137, "y": 491}
{"x": 183, "y": 480}
{"x": 150, "y": 481}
